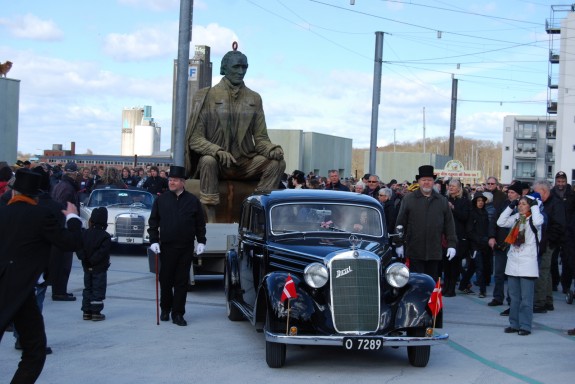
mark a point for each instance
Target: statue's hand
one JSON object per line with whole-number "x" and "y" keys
{"x": 277, "y": 154}
{"x": 226, "y": 158}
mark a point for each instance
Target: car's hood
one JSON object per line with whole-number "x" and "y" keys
{"x": 323, "y": 246}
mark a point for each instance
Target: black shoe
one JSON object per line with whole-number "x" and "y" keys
{"x": 505, "y": 313}
{"x": 98, "y": 317}
{"x": 495, "y": 303}
{"x": 179, "y": 320}
{"x": 523, "y": 332}
{"x": 87, "y": 316}
{"x": 467, "y": 291}
{"x": 510, "y": 330}
{"x": 64, "y": 297}
{"x": 539, "y": 310}
{"x": 481, "y": 295}
{"x": 48, "y": 350}
{"x": 549, "y": 307}
{"x": 165, "y": 315}
{"x": 17, "y": 345}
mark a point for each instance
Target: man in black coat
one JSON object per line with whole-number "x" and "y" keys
{"x": 61, "y": 261}
{"x": 27, "y": 231}
{"x": 176, "y": 220}
{"x": 552, "y": 238}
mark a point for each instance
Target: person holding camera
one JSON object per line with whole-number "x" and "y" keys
{"x": 522, "y": 268}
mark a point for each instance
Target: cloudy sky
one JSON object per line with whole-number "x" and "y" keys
{"x": 81, "y": 62}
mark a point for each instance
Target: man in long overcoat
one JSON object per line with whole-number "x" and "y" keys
{"x": 425, "y": 216}
{"x": 27, "y": 232}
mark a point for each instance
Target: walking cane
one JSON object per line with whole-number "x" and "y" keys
{"x": 157, "y": 301}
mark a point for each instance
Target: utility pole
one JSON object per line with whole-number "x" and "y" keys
{"x": 423, "y": 129}
{"x": 453, "y": 116}
{"x": 375, "y": 99}
{"x": 185, "y": 38}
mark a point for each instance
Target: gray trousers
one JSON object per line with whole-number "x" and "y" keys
{"x": 269, "y": 173}
{"x": 543, "y": 288}
{"x": 521, "y": 309}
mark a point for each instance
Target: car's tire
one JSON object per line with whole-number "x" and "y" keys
{"x": 234, "y": 314}
{"x": 275, "y": 352}
{"x": 418, "y": 356}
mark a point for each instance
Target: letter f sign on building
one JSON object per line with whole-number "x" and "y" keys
{"x": 192, "y": 73}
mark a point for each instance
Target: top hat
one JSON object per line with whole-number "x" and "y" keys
{"x": 177, "y": 171}
{"x": 27, "y": 182}
{"x": 425, "y": 171}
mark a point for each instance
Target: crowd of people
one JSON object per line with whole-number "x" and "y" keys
{"x": 465, "y": 234}
{"x": 41, "y": 230}
{"x": 478, "y": 235}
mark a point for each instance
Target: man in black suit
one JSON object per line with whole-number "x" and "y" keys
{"x": 27, "y": 232}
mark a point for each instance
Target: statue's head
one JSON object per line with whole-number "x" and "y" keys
{"x": 234, "y": 66}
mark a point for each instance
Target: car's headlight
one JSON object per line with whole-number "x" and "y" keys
{"x": 397, "y": 275}
{"x": 315, "y": 275}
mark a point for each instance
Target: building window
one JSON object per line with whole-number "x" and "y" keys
{"x": 506, "y": 167}
{"x": 506, "y": 148}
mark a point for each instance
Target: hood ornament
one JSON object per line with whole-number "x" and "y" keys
{"x": 355, "y": 242}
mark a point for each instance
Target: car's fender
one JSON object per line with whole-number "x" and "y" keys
{"x": 412, "y": 309}
{"x": 269, "y": 299}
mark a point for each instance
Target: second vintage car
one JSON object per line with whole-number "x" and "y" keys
{"x": 128, "y": 213}
{"x": 314, "y": 267}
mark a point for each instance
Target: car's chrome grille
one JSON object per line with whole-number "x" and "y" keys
{"x": 355, "y": 294}
{"x": 130, "y": 225}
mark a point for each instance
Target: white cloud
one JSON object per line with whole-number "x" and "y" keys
{"x": 32, "y": 27}
{"x": 161, "y": 41}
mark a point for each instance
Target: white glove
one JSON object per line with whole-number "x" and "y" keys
{"x": 450, "y": 253}
{"x": 155, "y": 248}
{"x": 399, "y": 251}
{"x": 200, "y": 248}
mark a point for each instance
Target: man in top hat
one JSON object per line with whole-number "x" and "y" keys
{"x": 425, "y": 216}
{"x": 66, "y": 191}
{"x": 176, "y": 220}
{"x": 27, "y": 232}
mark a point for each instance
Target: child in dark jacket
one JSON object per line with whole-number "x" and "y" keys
{"x": 95, "y": 257}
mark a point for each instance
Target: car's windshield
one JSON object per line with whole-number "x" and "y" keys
{"x": 309, "y": 217}
{"x": 108, "y": 197}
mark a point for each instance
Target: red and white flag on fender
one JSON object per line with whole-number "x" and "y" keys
{"x": 435, "y": 302}
{"x": 289, "y": 290}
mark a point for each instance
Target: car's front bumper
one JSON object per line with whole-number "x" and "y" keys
{"x": 338, "y": 340}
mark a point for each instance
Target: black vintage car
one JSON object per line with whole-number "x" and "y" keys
{"x": 349, "y": 290}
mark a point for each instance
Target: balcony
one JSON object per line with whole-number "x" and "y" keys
{"x": 554, "y": 57}
{"x": 553, "y": 27}
{"x": 524, "y": 174}
{"x": 550, "y": 157}
{"x": 526, "y": 153}
{"x": 553, "y": 82}
{"x": 552, "y": 107}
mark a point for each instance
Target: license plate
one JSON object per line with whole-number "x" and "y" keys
{"x": 131, "y": 240}
{"x": 363, "y": 343}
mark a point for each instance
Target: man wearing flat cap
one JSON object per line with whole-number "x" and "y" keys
{"x": 425, "y": 216}
{"x": 176, "y": 220}
{"x": 27, "y": 232}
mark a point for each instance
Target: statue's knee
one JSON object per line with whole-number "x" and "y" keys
{"x": 208, "y": 162}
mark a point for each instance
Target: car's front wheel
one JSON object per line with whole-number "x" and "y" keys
{"x": 275, "y": 352}
{"x": 418, "y": 356}
{"x": 234, "y": 314}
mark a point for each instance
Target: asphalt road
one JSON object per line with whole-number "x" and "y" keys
{"x": 128, "y": 347}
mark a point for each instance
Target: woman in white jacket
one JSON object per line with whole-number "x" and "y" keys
{"x": 522, "y": 268}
